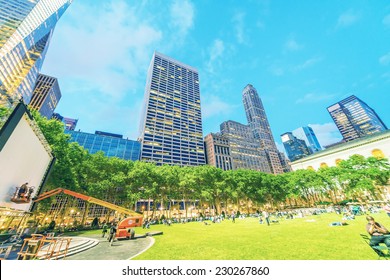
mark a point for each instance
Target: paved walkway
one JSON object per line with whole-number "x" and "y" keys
{"x": 120, "y": 250}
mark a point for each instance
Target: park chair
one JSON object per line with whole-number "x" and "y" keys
{"x": 378, "y": 249}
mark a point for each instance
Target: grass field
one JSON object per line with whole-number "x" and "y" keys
{"x": 308, "y": 238}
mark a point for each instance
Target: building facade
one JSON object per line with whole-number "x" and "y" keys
{"x": 259, "y": 125}
{"x": 26, "y": 27}
{"x": 307, "y": 134}
{"x": 355, "y": 119}
{"x": 46, "y": 95}
{"x": 113, "y": 145}
{"x": 377, "y": 145}
{"x": 245, "y": 149}
{"x": 218, "y": 152}
{"x": 171, "y": 125}
{"x": 295, "y": 148}
{"x": 70, "y": 124}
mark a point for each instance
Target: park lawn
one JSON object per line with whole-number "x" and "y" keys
{"x": 308, "y": 238}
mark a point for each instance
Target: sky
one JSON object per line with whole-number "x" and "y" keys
{"x": 301, "y": 56}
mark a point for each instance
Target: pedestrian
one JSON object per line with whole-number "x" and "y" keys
{"x": 266, "y": 216}
{"x": 233, "y": 217}
{"x": 104, "y": 229}
{"x": 387, "y": 209}
{"x": 112, "y": 233}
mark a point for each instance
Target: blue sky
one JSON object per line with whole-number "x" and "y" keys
{"x": 301, "y": 56}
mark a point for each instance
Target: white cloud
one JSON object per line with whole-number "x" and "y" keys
{"x": 102, "y": 50}
{"x": 386, "y": 21}
{"x": 385, "y": 59}
{"x": 239, "y": 27}
{"x": 308, "y": 63}
{"x": 314, "y": 97}
{"x": 215, "y": 53}
{"x": 326, "y": 133}
{"x": 292, "y": 45}
{"x": 212, "y": 105}
{"x": 348, "y": 18}
{"x": 276, "y": 70}
{"x": 182, "y": 16}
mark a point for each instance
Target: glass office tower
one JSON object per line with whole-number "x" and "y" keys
{"x": 355, "y": 119}
{"x": 26, "y": 27}
{"x": 295, "y": 148}
{"x": 171, "y": 125}
{"x": 307, "y": 134}
{"x": 258, "y": 122}
{"x": 112, "y": 145}
{"x": 46, "y": 95}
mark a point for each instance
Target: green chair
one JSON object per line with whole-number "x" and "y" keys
{"x": 378, "y": 249}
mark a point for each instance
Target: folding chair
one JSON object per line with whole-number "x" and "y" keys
{"x": 378, "y": 249}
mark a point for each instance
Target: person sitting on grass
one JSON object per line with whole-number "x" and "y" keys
{"x": 379, "y": 234}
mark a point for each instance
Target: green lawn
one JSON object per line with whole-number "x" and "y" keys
{"x": 308, "y": 238}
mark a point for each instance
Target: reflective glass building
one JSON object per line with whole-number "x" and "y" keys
{"x": 46, "y": 95}
{"x": 307, "y": 134}
{"x": 259, "y": 125}
{"x": 171, "y": 125}
{"x": 113, "y": 145}
{"x": 26, "y": 27}
{"x": 295, "y": 148}
{"x": 355, "y": 119}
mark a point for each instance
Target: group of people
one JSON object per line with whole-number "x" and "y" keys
{"x": 25, "y": 191}
{"x": 111, "y": 232}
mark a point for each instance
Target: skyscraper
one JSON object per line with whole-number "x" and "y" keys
{"x": 171, "y": 125}
{"x": 355, "y": 119}
{"x": 307, "y": 134}
{"x": 26, "y": 27}
{"x": 245, "y": 149}
{"x": 258, "y": 123}
{"x": 46, "y": 95}
{"x": 218, "y": 151}
{"x": 295, "y": 148}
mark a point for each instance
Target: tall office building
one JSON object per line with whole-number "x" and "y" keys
{"x": 26, "y": 27}
{"x": 245, "y": 149}
{"x": 218, "y": 151}
{"x": 258, "y": 123}
{"x": 295, "y": 148}
{"x": 355, "y": 119}
{"x": 171, "y": 125}
{"x": 307, "y": 134}
{"x": 69, "y": 123}
{"x": 46, "y": 95}
{"x": 112, "y": 145}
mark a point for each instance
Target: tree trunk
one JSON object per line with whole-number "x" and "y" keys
{"x": 85, "y": 214}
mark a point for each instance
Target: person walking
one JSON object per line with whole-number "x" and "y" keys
{"x": 266, "y": 216}
{"x": 111, "y": 236}
{"x": 387, "y": 209}
{"x": 233, "y": 217}
{"x": 105, "y": 229}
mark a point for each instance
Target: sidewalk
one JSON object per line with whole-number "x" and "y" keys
{"x": 120, "y": 250}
